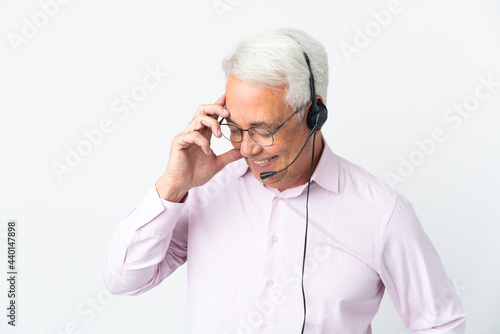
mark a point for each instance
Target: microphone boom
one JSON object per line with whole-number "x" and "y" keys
{"x": 265, "y": 175}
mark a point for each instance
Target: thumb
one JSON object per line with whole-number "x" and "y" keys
{"x": 226, "y": 158}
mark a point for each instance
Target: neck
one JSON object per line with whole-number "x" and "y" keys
{"x": 318, "y": 150}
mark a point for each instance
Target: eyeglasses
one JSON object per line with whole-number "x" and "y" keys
{"x": 261, "y": 136}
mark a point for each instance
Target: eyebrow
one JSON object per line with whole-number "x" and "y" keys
{"x": 253, "y": 124}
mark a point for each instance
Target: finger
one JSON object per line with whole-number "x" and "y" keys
{"x": 205, "y": 125}
{"x": 226, "y": 158}
{"x": 212, "y": 110}
{"x": 201, "y": 122}
{"x": 187, "y": 140}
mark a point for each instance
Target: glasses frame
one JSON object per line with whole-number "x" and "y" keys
{"x": 256, "y": 127}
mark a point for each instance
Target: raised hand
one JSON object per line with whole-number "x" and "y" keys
{"x": 192, "y": 162}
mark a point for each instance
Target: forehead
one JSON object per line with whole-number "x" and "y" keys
{"x": 251, "y": 105}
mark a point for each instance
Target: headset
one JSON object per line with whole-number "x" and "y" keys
{"x": 317, "y": 114}
{"x": 316, "y": 118}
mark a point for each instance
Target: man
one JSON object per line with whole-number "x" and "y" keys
{"x": 243, "y": 233}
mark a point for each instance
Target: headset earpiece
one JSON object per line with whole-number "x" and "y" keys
{"x": 317, "y": 113}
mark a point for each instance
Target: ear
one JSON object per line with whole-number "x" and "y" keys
{"x": 319, "y": 99}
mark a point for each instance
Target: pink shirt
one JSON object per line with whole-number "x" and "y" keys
{"x": 243, "y": 243}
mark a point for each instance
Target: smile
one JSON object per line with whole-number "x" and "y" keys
{"x": 261, "y": 161}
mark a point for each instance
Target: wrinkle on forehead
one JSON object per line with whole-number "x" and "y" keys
{"x": 254, "y": 106}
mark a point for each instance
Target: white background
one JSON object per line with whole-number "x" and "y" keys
{"x": 65, "y": 77}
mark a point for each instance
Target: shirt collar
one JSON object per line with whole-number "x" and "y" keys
{"x": 326, "y": 173}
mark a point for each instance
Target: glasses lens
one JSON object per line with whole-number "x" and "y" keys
{"x": 230, "y": 132}
{"x": 261, "y": 136}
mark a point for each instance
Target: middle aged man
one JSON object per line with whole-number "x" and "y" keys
{"x": 243, "y": 228}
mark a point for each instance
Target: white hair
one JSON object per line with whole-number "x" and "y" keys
{"x": 276, "y": 58}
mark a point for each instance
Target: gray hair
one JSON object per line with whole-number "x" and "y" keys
{"x": 276, "y": 58}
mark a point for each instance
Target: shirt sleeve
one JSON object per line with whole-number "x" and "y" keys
{"x": 147, "y": 246}
{"x": 414, "y": 276}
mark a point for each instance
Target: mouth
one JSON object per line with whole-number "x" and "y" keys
{"x": 261, "y": 161}
{"x": 264, "y": 164}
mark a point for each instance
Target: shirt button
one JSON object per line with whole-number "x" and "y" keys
{"x": 275, "y": 239}
{"x": 270, "y": 282}
{"x": 279, "y": 198}
{"x": 263, "y": 326}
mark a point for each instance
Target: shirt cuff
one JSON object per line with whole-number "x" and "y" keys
{"x": 155, "y": 215}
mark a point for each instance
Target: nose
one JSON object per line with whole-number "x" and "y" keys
{"x": 248, "y": 147}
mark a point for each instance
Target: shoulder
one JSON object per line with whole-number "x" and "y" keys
{"x": 356, "y": 181}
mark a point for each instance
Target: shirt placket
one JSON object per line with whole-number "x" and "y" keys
{"x": 281, "y": 251}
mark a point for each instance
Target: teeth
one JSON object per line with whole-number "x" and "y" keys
{"x": 261, "y": 162}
